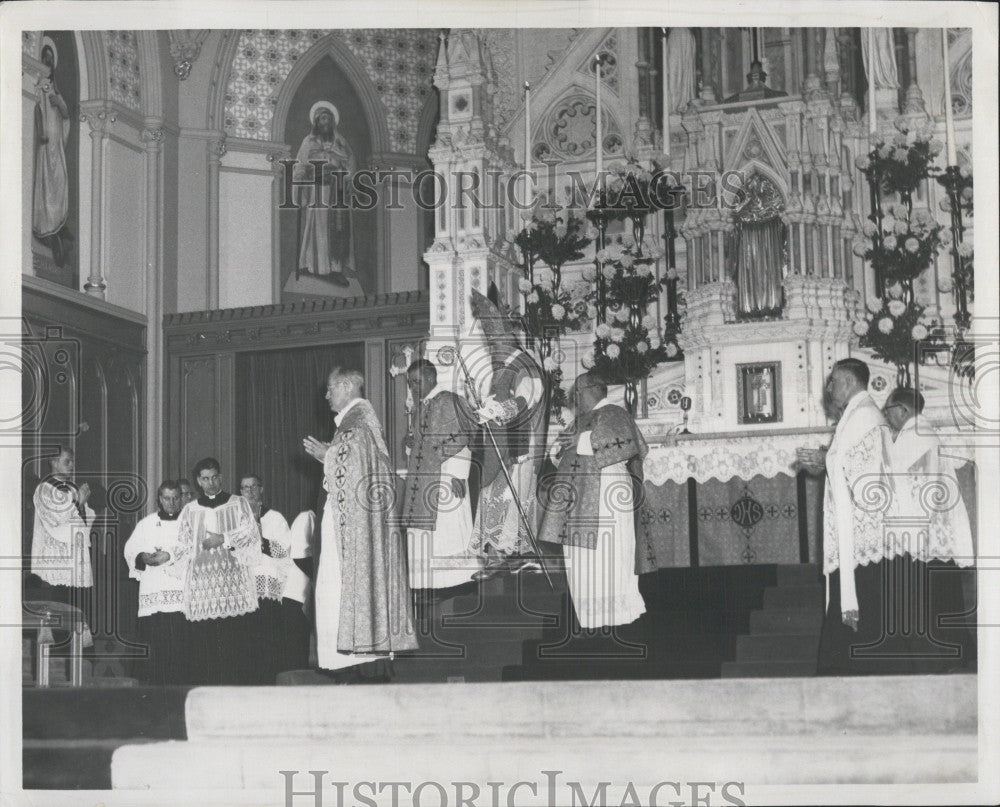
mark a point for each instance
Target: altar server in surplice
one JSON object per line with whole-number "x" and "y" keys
{"x": 437, "y": 514}
{"x": 362, "y": 596}
{"x": 219, "y": 538}
{"x": 854, "y": 541}
{"x": 590, "y": 508}
{"x": 151, "y": 553}
{"x": 271, "y": 571}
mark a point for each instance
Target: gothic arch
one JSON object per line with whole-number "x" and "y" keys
{"x": 94, "y": 69}
{"x": 332, "y": 45}
{"x": 751, "y": 167}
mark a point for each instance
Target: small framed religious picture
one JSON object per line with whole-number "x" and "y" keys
{"x": 758, "y": 389}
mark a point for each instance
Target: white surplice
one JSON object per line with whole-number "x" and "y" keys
{"x": 602, "y": 581}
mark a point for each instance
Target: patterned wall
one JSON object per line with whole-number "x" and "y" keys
{"x": 123, "y": 68}
{"x": 400, "y": 63}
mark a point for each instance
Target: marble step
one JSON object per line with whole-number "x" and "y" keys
{"x": 777, "y": 647}
{"x": 731, "y": 757}
{"x": 902, "y": 705}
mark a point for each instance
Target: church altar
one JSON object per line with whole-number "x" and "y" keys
{"x": 729, "y": 498}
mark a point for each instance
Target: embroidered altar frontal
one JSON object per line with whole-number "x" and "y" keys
{"x": 764, "y": 519}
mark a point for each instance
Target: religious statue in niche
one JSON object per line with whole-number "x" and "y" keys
{"x": 759, "y": 248}
{"x": 50, "y": 202}
{"x": 681, "y": 68}
{"x": 759, "y": 392}
{"x": 756, "y": 88}
{"x": 325, "y": 230}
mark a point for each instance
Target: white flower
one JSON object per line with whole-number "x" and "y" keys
{"x": 627, "y": 260}
{"x": 588, "y": 359}
{"x": 899, "y": 140}
{"x": 901, "y": 125}
{"x": 967, "y": 193}
{"x": 654, "y": 342}
{"x": 965, "y": 249}
{"x": 874, "y": 305}
{"x": 602, "y": 255}
{"x": 901, "y": 228}
{"x": 590, "y": 233}
{"x": 869, "y": 228}
{"x": 918, "y": 332}
{"x": 609, "y": 271}
{"x": 617, "y": 334}
{"x": 671, "y": 349}
{"x": 945, "y": 237}
{"x": 889, "y": 223}
{"x": 628, "y": 240}
{"x": 641, "y": 347}
{"x": 860, "y": 247}
{"x": 861, "y": 327}
{"x": 884, "y": 151}
{"x": 613, "y": 351}
{"x": 901, "y": 154}
{"x": 550, "y": 364}
{"x": 560, "y": 230}
{"x": 945, "y": 284}
{"x": 524, "y": 285}
{"x": 885, "y": 325}
{"x": 580, "y": 289}
{"x": 935, "y": 147}
{"x": 912, "y": 245}
{"x": 533, "y": 297}
{"x": 649, "y": 322}
{"x": 544, "y": 275}
{"x": 672, "y": 273}
{"x": 558, "y": 311}
{"x": 890, "y": 242}
{"x": 895, "y": 290}
{"x": 510, "y": 236}
{"x": 591, "y": 310}
{"x": 644, "y": 270}
{"x": 897, "y": 307}
{"x": 945, "y": 205}
{"x": 589, "y": 273}
{"x": 862, "y": 162}
{"x": 603, "y": 331}
{"x": 621, "y": 315}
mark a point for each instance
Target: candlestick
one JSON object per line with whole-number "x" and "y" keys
{"x": 600, "y": 125}
{"x": 527, "y": 143}
{"x": 666, "y": 98}
{"x": 872, "y": 117}
{"x": 949, "y": 123}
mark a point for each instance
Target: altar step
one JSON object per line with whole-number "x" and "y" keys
{"x": 795, "y": 731}
{"x": 783, "y": 637}
{"x": 71, "y": 734}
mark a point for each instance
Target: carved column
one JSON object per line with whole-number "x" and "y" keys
{"x": 100, "y": 121}
{"x": 216, "y": 151}
{"x": 152, "y": 142}
{"x": 914, "y": 97}
{"x": 708, "y": 62}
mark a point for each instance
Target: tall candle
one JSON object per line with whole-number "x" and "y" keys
{"x": 666, "y": 98}
{"x": 949, "y": 122}
{"x": 527, "y": 143}
{"x": 600, "y": 125}
{"x": 872, "y": 116}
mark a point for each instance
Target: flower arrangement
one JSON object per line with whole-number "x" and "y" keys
{"x": 550, "y": 309}
{"x": 628, "y": 344}
{"x": 892, "y": 329}
{"x": 905, "y": 244}
{"x": 901, "y": 164}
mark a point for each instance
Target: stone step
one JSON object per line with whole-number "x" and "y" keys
{"x": 690, "y": 647}
{"x": 768, "y": 669}
{"x": 804, "y": 597}
{"x": 786, "y": 620}
{"x": 901, "y": 705}
{"x": 595, "y": 669}
{"x": 778, "y": 758}
{"x": 777, "y": 647}
{"x": 71, "y": 764}
{"x": 799, "y": 574}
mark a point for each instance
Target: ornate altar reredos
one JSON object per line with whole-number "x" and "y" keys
{"x": 772, "y": 287}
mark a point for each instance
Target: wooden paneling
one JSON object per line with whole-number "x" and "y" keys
{"x": 83, "y": 387}
{"x": 201, "y": 350}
